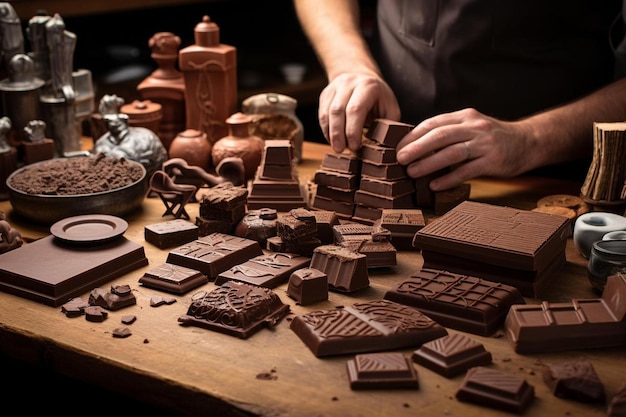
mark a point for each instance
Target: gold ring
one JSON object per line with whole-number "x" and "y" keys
{"x": 467, "y": 149}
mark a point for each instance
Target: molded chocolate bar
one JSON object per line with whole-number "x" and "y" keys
{"x": 387, "y": 132}
{"x": 575, "y": 380}
{"x": 214, "y": 253}
{"x": 236, "y": 309}
{"x": 173, "y": 278}
{"x": 346, "y": 269}
{"x": 385, "y": 370}
{"x": 267, "y": 271}
{"x": 25, "y": 271}
{"x": 581, "y": 324}
{"x": 496, "y": 389}
{"x": 370, "y": 326}
{"x": 457, "y": 301}
{"x": 451, "y": 355}
{"x": 171, "y": 233}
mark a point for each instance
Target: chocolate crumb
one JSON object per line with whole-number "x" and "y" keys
{"x": 405, "y": 405}
{"x": 335, "y": 399}
{"x": 146, "y": 341}
{"x": 121, "y": 332}
{"x": 267, "y": 376}
{"x": 95, "y": 314}
{"x": 129, "y": 319}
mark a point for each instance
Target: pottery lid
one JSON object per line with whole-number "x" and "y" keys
{"x": 207, "y": 33}
{"x": 239, "y": 118}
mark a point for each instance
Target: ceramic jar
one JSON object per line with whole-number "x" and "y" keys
{"x": 591, "y": 227}
{"x": 240, "y": 143}
{"x": 608, "y": 257}
{"x": 193, "y": 146}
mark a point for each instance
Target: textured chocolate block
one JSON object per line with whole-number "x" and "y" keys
{"x": 334, "y": 193}
{"x": 232, "y": 216}
{"x": 267, "y": 271}
{"x": 20, "y": 275}
{"x": 336, "y": 179}
{"x": 383, "y": 202}
{"x": 365, "y": 214}
{"x": 173, "y": 278}
{"x": 340, "y": 208}
{"x": 383, "y": 171}
{"x": 576, "y": 380}
{"x": 379, "y": 154}
{"x": 581, "y": 324}
{"x": 308, "y": 286}
{"x": 224, "y": 196}
{"x": 496, "y": 235}
{"x": 210, "y": 226}
{"x": 236, "y": 309}
{"x": 118, "y": 297}
{"x": 457, "y": 301}
{"x": 402, "y": 224}
{"x": 385, "y": 370}
{"x": 171, "y": 233}
{"x": 496, "y": 389}
{"x": 378, "y": 254}
{"x": 387, "y": 132}
{"x": 370, "y": 326}
{"x": 451, "y": 355}
{"x": 214, "y": 253}
{"x": 296, "y": 224}
{"x": 342, "y": 162}
{"x": 325, "y": 220}
{"x": 346, "y": 269}
{"x": 386, "y": 188}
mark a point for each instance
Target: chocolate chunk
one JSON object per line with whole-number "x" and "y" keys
{"x": 379, "y": 154}
{"x": 225, "y": 196}
{"x": 235, "y": 308}
{"x": 325, "y": 220}
{"x": 296, "y": 224}
{"x": 387, "y": 188}
{"x": 75, "y": 307}
{"x": 278, "y": 152}
{"x": 209, "y": 226}
{"x": 388, "y": 172}
{"x": 365, "y": 327}
{"x": 341, "y": 208}
{"x": 496, "y": 389}
{"x": 308, "y": 286}
{"x": 173, "y": 278}
{"x": 342, "y": 162}
{"x": 451, "y": 355}
{"x": 617, "y": 405}
{"x": 170, "y": 233}
{"x": 258, "y": 225}
{"x": 387, "y": 132}
{"x": 576, "y": 380}
{"x": 384, "y": 202}
{"x": 402, "y": 223}
{"x": 95, "y": 314}
{"x": 336, "y": 179}
{"x": 121, "y": 332}
{"x": 457, "y": 301}
{"x": 346, "y": 269}
{"x": 129, "y": 319}
{"x": 110, "y": 300}
{"x": 158, "y": 300}
{"x": 267, "y": 271}
{"x": 385, "y": 370}
{"x": 379, "y": 254}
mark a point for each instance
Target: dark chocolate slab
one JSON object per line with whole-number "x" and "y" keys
{"x": 496, "y": 389}
{"x": 171, "y": 233}
{"x": 457, "y": 301}
{"x": 340, "y": 208}
{"x": 383, "y": 370}
{"x": 334, "y": 193}
{"x": 402, "y": 222}
{"x": 576, "y": 380}
{"x": 278, "y": 152}
{"x": 99, "y": 264}
{"x": 369, "y": 326}
{"x": 308, "y": 286}
{"x": 236, "y": 309}
{"x": 173, "y": 278}
{"x": 451, "y": 355}
{"x": 267, "y": 271}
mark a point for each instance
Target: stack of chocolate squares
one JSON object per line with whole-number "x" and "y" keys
{"x": 276, "y": 184}
{"x": 520, "y": 248}
{"x": 336, "y": 182}
{"x": 402, "y": 224}
{"x": 221, "y": 208}
{"x": 296, "y": 232}
{"x": 371, "y": 241}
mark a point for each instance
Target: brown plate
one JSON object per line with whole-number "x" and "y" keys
{"x": 90, "y": 228}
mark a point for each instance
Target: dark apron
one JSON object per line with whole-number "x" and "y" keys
{"x": 506, "y": 58}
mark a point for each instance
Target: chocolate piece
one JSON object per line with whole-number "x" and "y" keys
{"x": 158, "y": 300}
{"x": 379, "y": 154}
{"x": 224, "y": 196}
{"x": 173, "y": 278}
{"x": 75, "y": 307}
{"x": 232, "y": 216}
{"x": 457, "y": 301}
{"x": 235, "y": 308}
{"x": 447, "y": 199}
{"x": 385, "y": 370}
{"x": 170, "y": 233}
{"x": 121, "y": 332}
{"x": 402, "y": 224}
{"x": 258, "y": 225}
{"x": 383, "y": 171}
{"x": 496, "y": 389}
{"x": 129, "y": 319}
{"x": 267, "y": 271}
{"x": 274, "y": 172}
{"x": 369, "y": 326}
{"x": 383, "y": 202}
{"x": 278, "y": 152}
{"x": 342, "y": 162}
{"x": 387, "y": 188}
{"x": 451, "y": 355}
{"x": 209, "y": 226}
{"x": 346, "y": 269}
{"x": 334, "y": 193}
{"x": 304, "y": 246}
{"x": 617, "y": 405}
{"x": 336, "y": 179}
{"x": 308, "y": 286}
{"x": 340, "y": 208}
{"x": 96, "y": 314}
{"x": 296, "y": 224}
{"x": 352, "y": 231}
{"x": 365, "y": 214}
{"x": 20, "y": 275}
{"x": 325, "y": 220}
{"x": 581, "y": 324}
{"x": 387, "y": 132}
{"x": 110, "y": 299}
{"x": 214, "y": 253}
{"x": 576, "y": 380}
{"x": 379, "y": 254}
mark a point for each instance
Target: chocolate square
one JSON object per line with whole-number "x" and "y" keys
{"x": 325, "y": 220}
{"x": 387, "y": 132}
{"x": 170, "y": 233}
{"x": 267, "y": 271}
{"x": 308, "y": 286}
{"x": 342, "y": 162}
{"x": 224, "y": 196}
{"x": 365, "y": 198}
{"x": 340, "y": 208}
{"x": 384, "y": 370}
{"x": 387, "y": 188}
{"x": 336, "y": 179}
{"x": 173, "y": 278}
{"x": 383, "y": 171}
{"x": 346, "y": 269}
{"x": 278, "y": 152}
{"x": 379, "y": 154}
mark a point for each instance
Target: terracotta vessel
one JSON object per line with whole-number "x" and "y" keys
{"x": 193, "y": 146}
{"x": 240, "y": 143}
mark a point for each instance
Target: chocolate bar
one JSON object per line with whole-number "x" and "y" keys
{"x": 379, "y": 154}
{"x": 173, "y": 278}
{"x": 334, "y": 193}
{"x": 340, "y": 208}
{"x": 576, "y": 380}
{"x": 457, "y": 301}
{"x": 224, "y": 196}
{"x": 308, "y": 286}
{"x": 386, "y": 188}
{"x": 384, "y": 370}
{"x": 369, "y": 326}
{"x": 170, "y": 233}
{"x": 336, "y": 179}
{"x": 267, "y": 271}
{"x": 383, "y": 171}
{"x": 346, "y": 269}
{"x": 496, "y": 389}
{"x": 387, "y": 132}
{"x": 383, "y": 202}
{"x": 451, "y": 355}
{"x": 236, "y": 309}
{"x": 342, "y": 162}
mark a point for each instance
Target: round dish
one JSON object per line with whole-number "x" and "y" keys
{"x": 89, "y": 228}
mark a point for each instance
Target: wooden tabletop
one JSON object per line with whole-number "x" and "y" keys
{"x": 199, "y": 372}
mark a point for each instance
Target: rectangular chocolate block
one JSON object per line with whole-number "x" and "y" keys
{"x": 340, "y": 208}
{"x": 224, "y": 196}
{"x": 27, "y": 270}
{"x": 379, "y": 154}
{"x": 387, "y": 188}
{"x": 173, "y": 278}
{"x": 366, "y": 214}
{"x": 402, "y": 222}
{"x": 270, "y": 188}
{"x": 209, "y": 226}
{"x": 383, "y": 202}
{"x": 296, "y": 224}
{"x": 451, "y": 355}
{"x": 214, "y": 253}
{"x": 334, "y": 193}
{"x": 497, "y": 235}
{"x": 278, "y": 152}
{"x": 170, "y": 233}
{"x": 276, "y": 203}
{"x": 383, "y": 370}
{"x": 346, "y": 269}
{"x": 325, "y": 220}
{"x": 308, "y": 286}
{"x": 383, "y": 171}
{"x": 304, "y": 246}
{"x": 236, "y": 309}
{"x": 496, "y": 389}
{"x": 267, "y": 271}
{"x": 336, "y": 179}
{"x": 379, "y": 254}
{"x": 387, "y": 132}
{"x": 342, "y": 162}
{"x": 232, "y": 215}
{"x": 343, "y": 231}
{"x": 457, "y": 301}
{"x": 369, "y": 326}
{"x": 274, "y": 172}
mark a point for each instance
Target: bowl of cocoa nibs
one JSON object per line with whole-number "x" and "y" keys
{"x": 48, "y": 191}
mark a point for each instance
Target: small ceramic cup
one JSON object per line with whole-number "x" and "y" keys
{"x": 608, "y": 257}
{"x": 591, "y": 227}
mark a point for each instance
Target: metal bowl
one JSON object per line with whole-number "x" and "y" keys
{"x": 48, "y": 209}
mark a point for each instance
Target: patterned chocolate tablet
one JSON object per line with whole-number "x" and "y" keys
{"x": 267, "y": 271}
{"x": 173, "y": 278}
{"x": 171, "y": 233}
{"x": 385, "y": 370}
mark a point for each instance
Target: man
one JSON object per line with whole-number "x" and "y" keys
{"x": 494, "y": 88}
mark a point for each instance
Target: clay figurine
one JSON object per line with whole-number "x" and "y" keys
{"x": 9, "y": 237}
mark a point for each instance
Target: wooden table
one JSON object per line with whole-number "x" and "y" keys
{"x": 199, "y": 372}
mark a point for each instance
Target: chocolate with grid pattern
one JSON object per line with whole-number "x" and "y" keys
{"x": 267, "y": 271}
{"x": 387, "y": 132}
{"x": 461, "y": 302}
{"x": 173, "y": 278}
{"x": 369, "y": 326}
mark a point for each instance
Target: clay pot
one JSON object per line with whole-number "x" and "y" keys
{"x": 240, "y": 143}
{"x": 193, "y": 146}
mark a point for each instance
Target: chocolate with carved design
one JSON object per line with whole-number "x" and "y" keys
{"x": 385, "y": 370}
{"x": 267, "y": 271}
